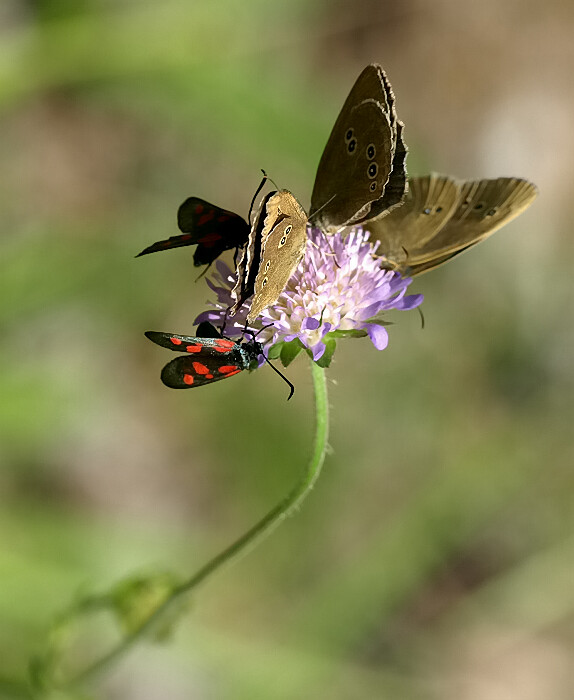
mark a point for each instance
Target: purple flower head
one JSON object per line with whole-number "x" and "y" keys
{"x": 338, "y": 289}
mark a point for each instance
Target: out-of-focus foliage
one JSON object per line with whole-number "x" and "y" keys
{"x": 435, "y": 556}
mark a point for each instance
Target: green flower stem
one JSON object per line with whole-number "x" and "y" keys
{"x": 248, "y": 540}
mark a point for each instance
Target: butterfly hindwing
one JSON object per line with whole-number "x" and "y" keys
{"x": 403, "y": 233}
{"x": 441, "y": 218}
{"x": 250, "y": 259}
{"x": 209, "y": 227}
{"x": 483, "y": 207}
{"x": 276, "y": 245}
{"x": 284, "y": 239}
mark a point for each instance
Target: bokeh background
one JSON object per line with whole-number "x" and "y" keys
{"x": 435, "y": 557}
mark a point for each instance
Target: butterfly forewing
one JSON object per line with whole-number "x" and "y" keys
{"x": 364, "y": 155}
{"x": 209, "y": 227}
{"x": 396, "y": 186}
{"x": 284, "y": 238}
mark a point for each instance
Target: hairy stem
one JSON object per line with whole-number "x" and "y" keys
{"x": 248, "y": 540}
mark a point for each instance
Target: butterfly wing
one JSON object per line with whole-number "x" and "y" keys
{"x": 404, "y": 232}
{"x": 441, "y": 218}
{"x": 483, "y": 207}
{"x": 284, "y": 238}
{"x": 207, "y": 330}
{"x": 207, "y": 360}
{"x": 364, "y": 155}
{"x": 396, "y": 187}
{"x": 209, "y": 227}
{"x": 249, "y": 262}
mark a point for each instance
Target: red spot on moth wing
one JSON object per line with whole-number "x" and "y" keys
{"x": 224, "y": 217}
{"x": 200, "y": 368}
{"x": 193, "y": 348}
{"x": 176, "y": 341}
{"x": 229, "y": 370}
{"x": 210, "y": 239}
{"x": 199, "y": 208}
{"x": 223, "y": 345}
{"x": 188, "y": 379}
{"x": 205, "y": 218}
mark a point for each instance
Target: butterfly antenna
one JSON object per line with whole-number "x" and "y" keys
{"x": 331, "y": 251}
{"x": 320, "y": 208}
{"x": 247, "y": 331}
{"x": 270, "y": 180}
{"x": 263, "y": 181}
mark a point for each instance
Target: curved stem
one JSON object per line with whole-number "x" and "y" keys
{"x": 248, "y": 540}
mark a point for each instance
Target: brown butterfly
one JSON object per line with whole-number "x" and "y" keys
{"x": 276, "y": 244}
{"x": 361, "y": 173}
{"x": 441, "y": 217}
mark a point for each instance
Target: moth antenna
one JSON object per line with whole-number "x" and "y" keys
{"x": 422, "y": 317}
{"x": 283, "y": 377}
{"x": 248, "y": 331}
{"x": 204, "y": 272}
{"x": 245, "y": 331}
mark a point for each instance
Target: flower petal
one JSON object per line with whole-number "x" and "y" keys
{"x": 378, "y": 335}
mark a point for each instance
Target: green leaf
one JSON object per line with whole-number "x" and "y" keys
{"x": 379, "y": 322}
{"x": 136, "y": 599}
{"x": 275, "y": 351}
{"x": 352, "y": 333}
{"x": 289, "y": 351}
{"x": 325, "y": 360}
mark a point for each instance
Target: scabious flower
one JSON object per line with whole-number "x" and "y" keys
{"x": 339, "y": 288}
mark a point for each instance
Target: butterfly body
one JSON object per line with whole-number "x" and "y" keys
{"x": 206, "y": 359}
{"x": 442, "y": 217}
{"x": 206, "y": 225}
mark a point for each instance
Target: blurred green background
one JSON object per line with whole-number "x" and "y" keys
{"x": 435, "y": 557}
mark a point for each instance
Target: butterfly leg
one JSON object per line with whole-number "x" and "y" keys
{"x": 331, "y": 251}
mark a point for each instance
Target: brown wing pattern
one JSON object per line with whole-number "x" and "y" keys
{"x": 441, "y": 218}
